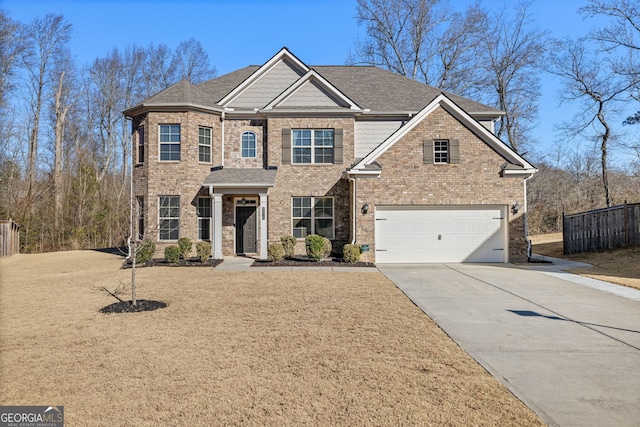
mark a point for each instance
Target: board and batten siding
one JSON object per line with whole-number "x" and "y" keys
{"x": 268, "y": 86}
{"x": 371, "y": 133}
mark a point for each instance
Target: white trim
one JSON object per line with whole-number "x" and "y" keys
{"x": 255, "y": 145}
{"x": 475, "y": 126}
{"x": 281, "y": 55}
{"x": 169, "y": 143}
{"x": 237, "y": 205}
{"x": 311, "y": 76}
{"x": 204, "y": 145}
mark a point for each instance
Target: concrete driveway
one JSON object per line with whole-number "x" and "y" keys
{"x": 568, "y": 351}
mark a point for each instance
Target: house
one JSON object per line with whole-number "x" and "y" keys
{"x": 354, "y": 153}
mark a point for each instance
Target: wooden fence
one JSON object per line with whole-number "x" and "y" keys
{"x": 9, "y": 238}
{"x": 607, "y": 228}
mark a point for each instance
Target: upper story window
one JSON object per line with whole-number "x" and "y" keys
{"x": 204, "y": 144}
{"x": 312, "y": 145}
{"x": 141, "y": 144}
{"x": 440, "y": 151}
{"x": 170, "y": 142}
{"x": 248, "y": 144}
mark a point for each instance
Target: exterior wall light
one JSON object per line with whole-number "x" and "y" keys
{"x": 515, "y": 208}
{"x": 365, "y": 208}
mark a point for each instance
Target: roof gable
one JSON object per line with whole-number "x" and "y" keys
{"x": 484, "y": 134}
{"x": 312, "y": 90}
{"x": 267, "y": 82}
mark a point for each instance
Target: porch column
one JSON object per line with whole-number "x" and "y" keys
{"x": 216, "y": 200}
{"x": 263, "y": 226}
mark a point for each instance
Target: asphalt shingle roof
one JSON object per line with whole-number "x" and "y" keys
{"x": 370, "y": 87}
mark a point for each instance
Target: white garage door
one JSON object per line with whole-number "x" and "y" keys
{"x": 448, "y": 234}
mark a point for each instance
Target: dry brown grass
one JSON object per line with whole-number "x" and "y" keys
{"x": 621, "y": 266}
{"x": 251, "y": 348}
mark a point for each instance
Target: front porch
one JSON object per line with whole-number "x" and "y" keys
{"x": 239, "y": 206}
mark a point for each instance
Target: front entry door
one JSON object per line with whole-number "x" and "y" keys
{"x": 245, "y": 229}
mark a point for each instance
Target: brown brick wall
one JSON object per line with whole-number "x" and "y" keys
{"x": 406, "y": 180}
{"x": 183, "y": 178}
{"x": 233, "y": 130}
{"x": 309, "y": 180}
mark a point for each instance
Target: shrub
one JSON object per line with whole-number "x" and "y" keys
{"x": 184, "y": 246}
{"x": 326, "y": 247}
{"x": 276, "y": 251}
{"x": 315, "y": 246}
{"x": 351, "y": 253}
{"x": 172, "y": 254}
{"x": 203, "y": 249}
{"x": 145, "y": 251}
{"x": 288, "y": 243}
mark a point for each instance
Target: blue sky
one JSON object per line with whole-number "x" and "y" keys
{"x": 237, "y": 33}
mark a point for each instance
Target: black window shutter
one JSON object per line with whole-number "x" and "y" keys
{"x": 454, "y": 148}
{"x": 427, "y": 151}
{"x": 337, "y": 146}
{"x": 286, "y": 146}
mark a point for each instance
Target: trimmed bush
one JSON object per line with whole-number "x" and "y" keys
{"x": 351, "y": 253}
{"x": 184, "y": 245}
{"x": 326, "y": 247}
{"x": 288, "y": 243}
{"x": 203, "y": 249}
{"x": 315, "y": 246}
{"x": 172, "y": 254}
{"x": 144, "y": 251}
{"x": 276, "y": 252}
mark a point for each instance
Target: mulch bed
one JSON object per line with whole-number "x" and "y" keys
{"x": 306, "y": 262}
{"x": 161, "y": 262}
{"x": 127, "y": 307}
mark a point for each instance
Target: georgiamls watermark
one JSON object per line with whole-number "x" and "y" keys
{"x": 31, "y": 416}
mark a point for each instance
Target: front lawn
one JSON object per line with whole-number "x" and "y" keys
{"x": 256, "y": 348}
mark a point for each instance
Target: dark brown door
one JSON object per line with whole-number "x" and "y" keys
{"x": 245, "y": 229}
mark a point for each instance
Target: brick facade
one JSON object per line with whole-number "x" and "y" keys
{"x": 474, "y": 181}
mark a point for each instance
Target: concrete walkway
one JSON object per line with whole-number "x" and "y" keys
{"x": 568, "y": 351}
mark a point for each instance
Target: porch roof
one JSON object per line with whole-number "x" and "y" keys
{"x": 240, "y": 178}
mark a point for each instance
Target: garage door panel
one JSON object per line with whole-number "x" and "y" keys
{"x": 465, "y": 234}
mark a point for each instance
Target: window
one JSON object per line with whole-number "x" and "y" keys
{"x": 312, "y": 145}
{"x": 140, "y": 217}
{"x": 312, "y": 215}
{"x": 248, "y": 144}
{"x": 141, "y": 144}
{"x": 204, "y": 144}
{"x": 204, "y": 218}
{"x": 170, "y": 142}
{"x": 440, "y": 151}
{"x": 169, "y": 213}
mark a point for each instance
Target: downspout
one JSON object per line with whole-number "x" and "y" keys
{"x": 222, "y": 117}
{"x": 526, "y": 217}
{"x": 130, "y": 120}
{"x": 353, "y": 208}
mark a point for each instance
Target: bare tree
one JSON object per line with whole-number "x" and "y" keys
{"x": 192, "y": 62}
{"x": 589, "y": 81}
{"x": 512, "y": 52}
{"x": 48, "y": 37}
{"x": 12, "y": 47}
{"x": 422, "y": 40}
